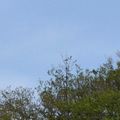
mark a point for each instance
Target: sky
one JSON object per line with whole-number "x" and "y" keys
{"x": 34, "y": 34}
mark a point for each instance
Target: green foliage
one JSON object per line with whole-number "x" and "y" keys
{"x": 71, "y": 94}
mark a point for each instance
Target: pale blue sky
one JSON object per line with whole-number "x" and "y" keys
{"x": 35, "y": 33}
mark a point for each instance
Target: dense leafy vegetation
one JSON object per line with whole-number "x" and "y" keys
{"x": 71, "y": 94}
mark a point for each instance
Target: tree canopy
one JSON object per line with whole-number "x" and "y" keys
{"x": 71, "y": 94}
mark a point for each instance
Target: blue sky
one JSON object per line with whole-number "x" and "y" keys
{"x": 35, "y": 33}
